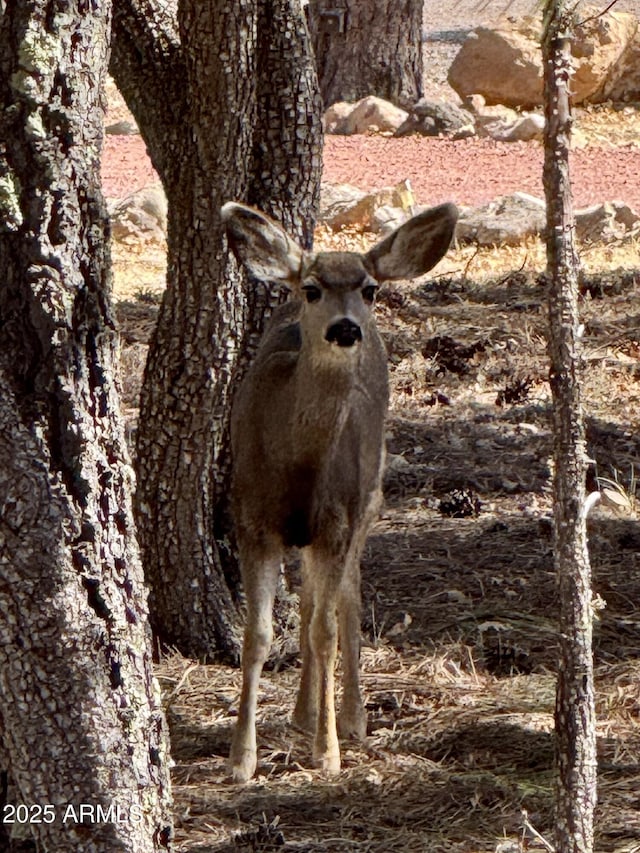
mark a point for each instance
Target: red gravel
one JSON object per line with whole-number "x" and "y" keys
{"x": 470, "y": 171}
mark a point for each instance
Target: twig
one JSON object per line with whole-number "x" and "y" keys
{"x": 598, "y": 14}
{"x": 529, "y": 828}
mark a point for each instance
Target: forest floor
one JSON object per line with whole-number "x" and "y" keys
{"x": 459, "y": 612}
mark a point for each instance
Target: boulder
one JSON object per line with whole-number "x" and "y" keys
{"x": 383, "y": 210}
{"x": 506, "y": 125}
{"x": 124, "y": 127}
{"x": 372, "y": 115}
{"x": 433, "y": 118}
{"x": 598, "y": 48}
{"x": 506, "y": 221}
{"x": 335, "y": 201}
{"x": 140, "y": 216}
{"x": 606, "y": 223}
{"x": 504, "y": 64}
{"x": 335, "y": 116}
{"x": 623, "y": 84}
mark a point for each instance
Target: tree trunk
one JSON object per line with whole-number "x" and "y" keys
{"x": 244, "y": 124}
{"x": 79, "y": 707}
{"x": 576, "y": 765}
{"x": 368, "y": 47}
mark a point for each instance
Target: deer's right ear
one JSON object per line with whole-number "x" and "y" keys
{"x": 260, "y": 244}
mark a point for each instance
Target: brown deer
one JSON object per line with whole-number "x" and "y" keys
{"x": 307, "y": 438}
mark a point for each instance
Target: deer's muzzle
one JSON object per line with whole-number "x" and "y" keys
{"x": 345, "y": 333}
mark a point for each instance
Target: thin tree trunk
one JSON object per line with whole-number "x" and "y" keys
{"x": 576, "y": 765}
{"x": 80, "y": 710}
{"x": 249, "y": 129}
{"x": 368, "y": 47}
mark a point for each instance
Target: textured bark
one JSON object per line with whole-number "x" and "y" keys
{"x": 368, "y": 47}
{"x": 576, "y": 764}
{"x": 246, "y": 126}
{"x": 80, "y": 710}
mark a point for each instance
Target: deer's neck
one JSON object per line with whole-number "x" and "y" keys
{"x": 323, "y": 401}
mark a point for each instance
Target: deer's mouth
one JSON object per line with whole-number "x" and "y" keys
{"x": 344, "y": 333}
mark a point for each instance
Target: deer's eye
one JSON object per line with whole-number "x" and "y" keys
{"x": 369, "y": 293}
{"x": 311, "y": 292}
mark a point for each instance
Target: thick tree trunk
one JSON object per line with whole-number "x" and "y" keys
{"x": 368, "y": 47}
{"x": 79, "y": 707}
{"x": 249, "y": 129}
{"x": 576, "y": 764}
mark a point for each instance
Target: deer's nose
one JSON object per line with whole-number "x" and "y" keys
{"x": 345, "y": 333}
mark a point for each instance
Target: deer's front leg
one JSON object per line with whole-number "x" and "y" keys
{"x": 323, "y": 637}
{"x": 260, "y": 578}
{"x": 352, "y": 720}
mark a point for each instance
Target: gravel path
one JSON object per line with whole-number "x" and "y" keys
{"x": 467, "y": 172}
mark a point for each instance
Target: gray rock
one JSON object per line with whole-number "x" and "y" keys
{"x": 140, "y": 216}
{"x": 433, "y": 118}
{"x": 504, "y": 222}
{"x": 608, "y": 222}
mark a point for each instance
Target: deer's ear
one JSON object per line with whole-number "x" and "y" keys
{"x": 260, "y": 244}
{"x": 416, "y": 246}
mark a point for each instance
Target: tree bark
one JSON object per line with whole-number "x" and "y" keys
{"x": 80, "y": 710}
{"x": 576, "y": 763}
{"x": 368, "y": 47}
{"x": 246, "y": 126}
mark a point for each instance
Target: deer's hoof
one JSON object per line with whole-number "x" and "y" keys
{"x": 353, "y": 725}
{"x": 328, "y": 763}
{"x": 242, "y": 765}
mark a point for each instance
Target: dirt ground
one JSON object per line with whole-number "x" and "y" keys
{"x": 459, "y": 621}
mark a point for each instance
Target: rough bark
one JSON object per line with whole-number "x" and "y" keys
{"x": 576, "y": 765}
{"x": 368, "y": 47}
{"x": 248, "y": 129}
{"x": 79, "y": 708}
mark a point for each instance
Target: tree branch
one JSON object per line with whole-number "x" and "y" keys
{"x": 147, "y": 64}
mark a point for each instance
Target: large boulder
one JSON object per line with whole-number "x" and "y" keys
{"x": 506, "y": 221}
{"x": 505, "y": 64}
{"x": 623, "y": 84}
{"x": 598, "y": 48}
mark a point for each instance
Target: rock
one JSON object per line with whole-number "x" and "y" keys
{"x": 335, "y": 202}
{"x": 598, "y": 47}
{"x": 504, "y": 64}
{"x": 432, "y": 118}
{"x": 140, "y": 216}
{"x": 387, "y": 218}
{"x": 504, "y": 222}
{"x": 606, "y": 223}
{"x": 373, "y": 115}
{"x": 335, "y": 116}
{"x": 122, "y": 128}
{"x": 523, "y": 127}
{"x": 342, "y": 205}
{"x": 623, "y": 84}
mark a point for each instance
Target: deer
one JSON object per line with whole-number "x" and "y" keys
{"x": 307, "y": 455}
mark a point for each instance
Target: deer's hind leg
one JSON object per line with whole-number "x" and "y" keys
{"x": 260, "y": 570}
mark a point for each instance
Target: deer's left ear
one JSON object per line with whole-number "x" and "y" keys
{"x": 416, "y": 246}
{"x": 261, "y": 245}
